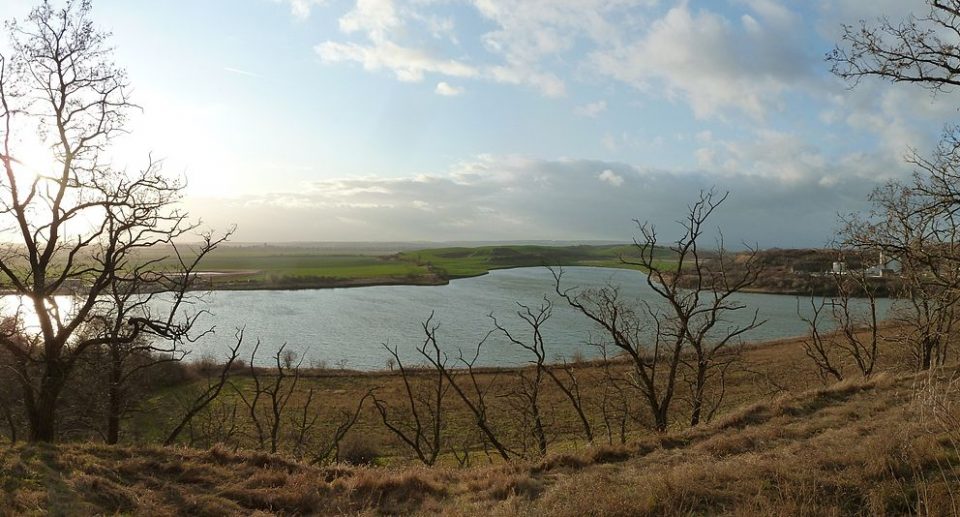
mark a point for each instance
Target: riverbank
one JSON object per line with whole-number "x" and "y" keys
{"x": 795, "y": 272}
{"x": 280, "y": 268}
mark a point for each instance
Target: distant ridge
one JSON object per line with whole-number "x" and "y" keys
{"x": 411, "y": 245}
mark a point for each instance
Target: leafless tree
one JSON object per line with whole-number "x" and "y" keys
{"x": 915, "y": 221}
{"x": 329, "y": 449}
{"x": 857, "y": 337}
{"x": 817, "y": 345}
{"x": 207, "y": 395}
{"x": 77, "y": 227}
{"x": 565, "y": 378}
{"x": 531, "y": 379}
{"x": 910, "y": 225}
{"x": 920, "y": 49}
{"x": 421, "y": 426}
{"x": 614, "y": 402}
{"x": 862, "y": 349}
{"x": 466, "y": 384}
{"x": 689, "y": 332}
{"x": 655, "y": 365}
{"x": 276, "y": 394}
{"x": 135, "y": 294}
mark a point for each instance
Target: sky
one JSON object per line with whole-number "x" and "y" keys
{"x": 439, "y": 120}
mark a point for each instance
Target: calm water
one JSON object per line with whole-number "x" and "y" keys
{"x": 348, "y": 326}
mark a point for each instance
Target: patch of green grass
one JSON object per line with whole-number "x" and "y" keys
{"x": 463, "y": 262}
{"x": 287, "y": 266}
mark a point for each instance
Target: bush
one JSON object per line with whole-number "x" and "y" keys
{"x": 358, "y": 451}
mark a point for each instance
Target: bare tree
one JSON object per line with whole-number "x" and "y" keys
{"x": 915, "y": 221}
{"x": 329, "y": 450}
{"x": 690, "y": 332}
{"x": 912, "y": 226}
{"x": 206, "y": 395}
{"x": 276, "y": 394}
{"x": 134, "y": 294}
{"x": 818, "y": 345}
{"x": 920, "y": 49}
{"x": 471, "y": 392}
{"x": 700, "y": 294}
{"x": 655, "y": 365}
{"x": 614, "y": 403}
{"x": 78, "y": 227}
{"x": 530, "y": 382}
{"x": 569, "y": 384}
{"x": 856, "y": 339}
{"x": 421, "y": 426}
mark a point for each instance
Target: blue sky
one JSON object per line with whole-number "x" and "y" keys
{"x": 496, "y": 119}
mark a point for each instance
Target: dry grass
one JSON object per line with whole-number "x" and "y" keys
{"x": 765, "y": 371}
{"x": 881, "y": 446}
{"x": 886, "y": 445}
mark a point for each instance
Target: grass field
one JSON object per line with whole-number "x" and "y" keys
{"x": 763, "y": 370}
{"x": 861, "y": 447}
{"x": 277, "y": 266}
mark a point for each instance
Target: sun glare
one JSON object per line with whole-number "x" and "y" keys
{"x": 32, "y": 160}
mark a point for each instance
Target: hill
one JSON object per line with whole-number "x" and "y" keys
{"x": 887, "y": 445}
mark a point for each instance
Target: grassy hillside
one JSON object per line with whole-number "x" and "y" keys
{"x": 279, "y": 267}
{"x": 463, "y": 262}
{"x": 857, "y": 448}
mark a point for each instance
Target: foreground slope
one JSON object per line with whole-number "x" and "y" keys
{"x": 883, "y": 446}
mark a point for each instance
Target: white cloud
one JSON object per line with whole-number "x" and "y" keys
{"x": 608, "y": 176}
{"x": 772, "y": 11}
{"x": 447, "y": 90}
{"x": 834, "y": 13}
{"x": 239, "y": 71}
{"x": 705, "y": 60}
{"x": 494, "y": 198}
{"x": 301, "y": 8}
{"x": 706, "y": 157}
{"x": 591, "y": 109}
{"x": 391, "y": 43}
{"x": 407, "y": 64}
{"x": 376, "y": 18}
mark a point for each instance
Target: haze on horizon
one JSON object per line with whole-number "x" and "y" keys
{"x": 489, "y": 120}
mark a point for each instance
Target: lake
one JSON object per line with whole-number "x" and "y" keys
{"x": 347, "y": 327}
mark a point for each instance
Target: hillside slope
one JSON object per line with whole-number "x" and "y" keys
{"x": 883, "y": 446}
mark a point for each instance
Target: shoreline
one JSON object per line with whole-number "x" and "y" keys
{"x": 321, "y": 283}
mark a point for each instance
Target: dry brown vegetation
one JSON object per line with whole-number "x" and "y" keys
{"x": 887, "y": 445}
{"x": 762, "y": 371}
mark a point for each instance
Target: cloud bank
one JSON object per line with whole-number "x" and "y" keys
{"x": 506, "y": 198}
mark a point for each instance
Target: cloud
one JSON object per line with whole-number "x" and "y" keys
{"x": 376, "y": 18}
{"x": 407, "y": 64}
{"x": 301, "y": 8}
{"x": 239, "y": 71}
{"x": 608, "y": 176}
{"x": 711, "y": 62}
{"x": 509, "y": 197}
{"x": 719, "y": 58}
{"x": 390, "y": 43}
{"x": 591, "y": 109}
{"x": 446, "y": 90}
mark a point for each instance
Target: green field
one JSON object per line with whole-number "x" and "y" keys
{"x": 277, "y": 266}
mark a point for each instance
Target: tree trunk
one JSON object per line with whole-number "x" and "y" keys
{"x": 43, "y": 418}
{"x": 660, "y": 419}
{"x": 10, "y": 423}
{"x": 540, "y": 434}
{"x": 697, "y": 402}
{"x": 116, "y": 396}
{"x": 926, "y": 354}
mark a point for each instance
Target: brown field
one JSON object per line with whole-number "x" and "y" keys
{"x": 783, "y": 442}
